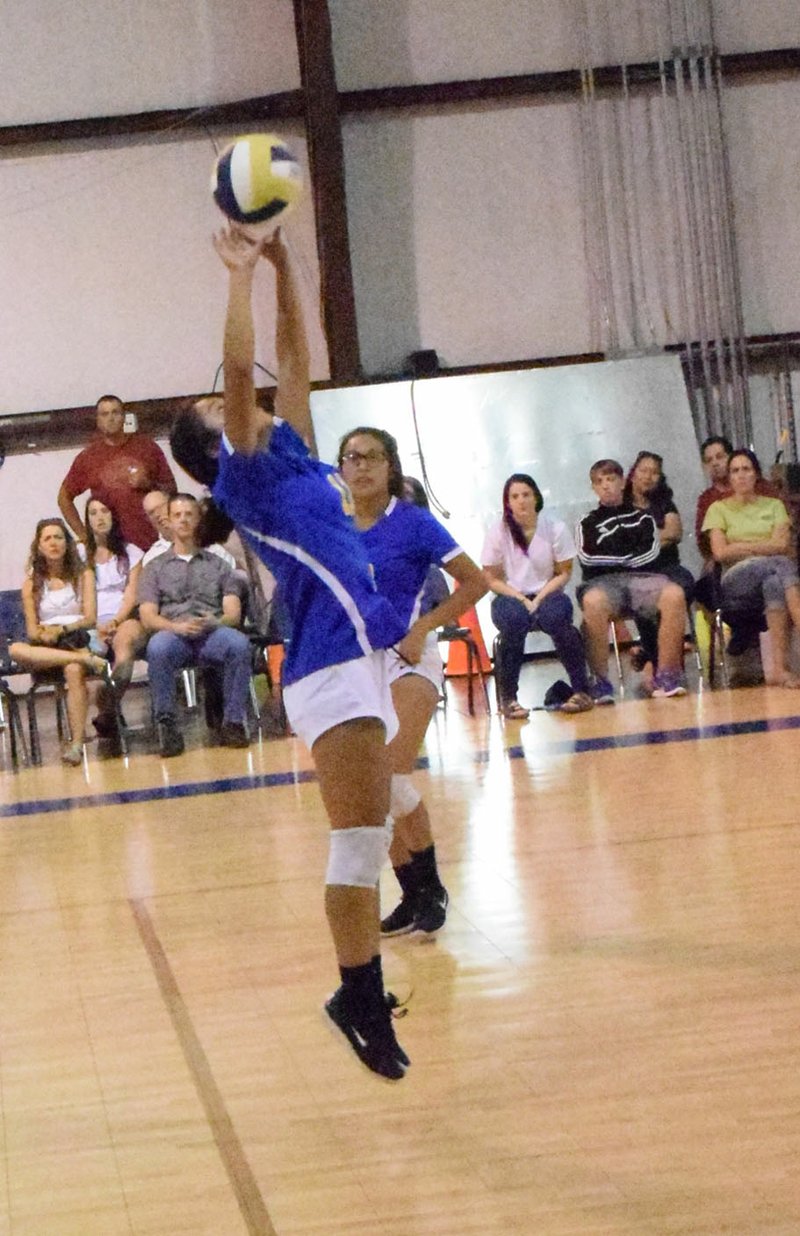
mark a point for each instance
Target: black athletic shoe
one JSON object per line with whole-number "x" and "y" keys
{"x": 370, "y": 1033}
{"x": 170, "y": 739}
{"x": 431, "y": 910}
{"x": 742, "y": 639}
{"x": 105, "y": 723}
{"x": 402, "y": 918}
{"x": 233, "y": 734}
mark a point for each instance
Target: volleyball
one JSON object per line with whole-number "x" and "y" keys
{"x": 256, "y": 180}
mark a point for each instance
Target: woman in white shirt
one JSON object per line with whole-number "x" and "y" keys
{"x": 116, "y": 567}
{"x": 58, "y": 601}
{"x": 528, "y": 557}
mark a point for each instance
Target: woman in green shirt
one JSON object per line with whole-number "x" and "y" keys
{"x": 751, "y": 538}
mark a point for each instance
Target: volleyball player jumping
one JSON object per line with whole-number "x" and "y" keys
{"x": 295, "y": 513}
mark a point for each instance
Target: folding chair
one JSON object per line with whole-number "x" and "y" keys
{"x": 463, "y": 635}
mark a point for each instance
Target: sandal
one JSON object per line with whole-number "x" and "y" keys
{"x": 99, "y": 666}
{"x": 579, "y": 701}
{"x": 73, "y": 754}
{"x": 514, "y": 711}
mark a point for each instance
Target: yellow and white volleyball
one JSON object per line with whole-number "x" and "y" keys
{"x": 255, "y": 181}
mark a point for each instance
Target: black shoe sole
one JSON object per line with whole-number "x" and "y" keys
{"x": 405, "y": 930}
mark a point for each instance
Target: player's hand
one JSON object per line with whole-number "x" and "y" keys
{"x": 237, "y": 251}
{"x": 411, "y": 646}
{"x": 274, "y": 248}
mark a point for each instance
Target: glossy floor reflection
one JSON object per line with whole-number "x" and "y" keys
{"x": 604, "y": 1037}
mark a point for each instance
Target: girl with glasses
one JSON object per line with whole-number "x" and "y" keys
{"x": 402, "y": 542}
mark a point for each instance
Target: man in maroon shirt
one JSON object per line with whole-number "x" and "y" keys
{"x": 118, "y": 468}
{"x": 714, "y": 454}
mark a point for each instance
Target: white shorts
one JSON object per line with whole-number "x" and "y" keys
{"x": 338, "y": 693}
{"x": 430, "y": 664}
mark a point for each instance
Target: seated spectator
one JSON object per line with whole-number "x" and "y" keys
{"x": 155, "y": 505}
{"x": 118, "y": 468}
{"x": 116, "y": 568}
{"x": 715, "y": 453}
{"x": 254, "y": 583}
{"x": 618, "y": 545}
{"x": 750, "y": 537}
{"x": 58, "y": 600}
{"x": 189, "y": 601}
{"x": 647, "y": 489}
{"x": 527, "y": 558}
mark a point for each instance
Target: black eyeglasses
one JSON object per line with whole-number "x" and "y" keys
{"x": 368, "y": 457}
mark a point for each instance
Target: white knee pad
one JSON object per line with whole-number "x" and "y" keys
{"x": 404, "y": 796}
{"x": 356, "y": 856}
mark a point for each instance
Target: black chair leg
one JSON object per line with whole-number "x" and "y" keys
{"x": 33, "y": 730}
{"x": 16, "y": 731}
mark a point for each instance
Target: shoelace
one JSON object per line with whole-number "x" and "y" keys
{"x": 397, "y": 1008}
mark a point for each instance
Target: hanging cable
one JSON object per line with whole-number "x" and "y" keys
{"x": 434, "y": 501}
{"x": 256, "y": 365}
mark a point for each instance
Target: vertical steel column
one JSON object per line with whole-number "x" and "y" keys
{"x": 324, "y": 136}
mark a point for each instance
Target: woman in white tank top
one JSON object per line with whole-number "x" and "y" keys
{"x": 117, "y": 567}
{"x": 58, "y": 600}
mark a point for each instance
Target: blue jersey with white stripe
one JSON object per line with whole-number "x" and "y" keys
{"x": 295, "y": 512}
{"x": 401, "y": 546}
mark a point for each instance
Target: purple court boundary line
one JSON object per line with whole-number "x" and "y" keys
{"x": 258, "y": 781}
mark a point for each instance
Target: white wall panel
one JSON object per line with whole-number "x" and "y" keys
{"x": 59, "y": 61}
{"x": 756, "y": 25}
{"x": 466, "y": 235}
{"x": 407, "y": 42}
{"x": 763, "y": 126}
{"x": 410, "y": 41}
{"x": 109, "y": 278}
{"x": 552, "y": 423}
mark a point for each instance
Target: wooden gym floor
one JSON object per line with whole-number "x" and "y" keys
{"x": 605, "y": 1037}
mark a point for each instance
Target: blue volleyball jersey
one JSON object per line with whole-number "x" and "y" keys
{"x": 296, "y": 514}
{"x": 401, "y": 546}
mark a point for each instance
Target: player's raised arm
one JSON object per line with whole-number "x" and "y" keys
{"x": 291, "y": 344}
{"x": 243, "y": 420}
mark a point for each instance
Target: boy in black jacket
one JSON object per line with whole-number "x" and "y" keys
{"x": 617, "y": 544}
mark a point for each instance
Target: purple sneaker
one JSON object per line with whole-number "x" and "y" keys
{"x": 668, "y": 683}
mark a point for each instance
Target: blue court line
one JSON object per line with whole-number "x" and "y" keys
{"x": 189, "y": 789}
{"x": 692, "y": 733}
{"x": 260, "y": 781}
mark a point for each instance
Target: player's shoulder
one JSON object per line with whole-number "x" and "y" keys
{"x": 401, "y": 512}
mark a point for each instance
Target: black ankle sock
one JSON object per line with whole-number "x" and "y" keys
{"x": 406, "y": 878}
{"x": 426, "y": 873}
{"x": 364, "y": 982}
